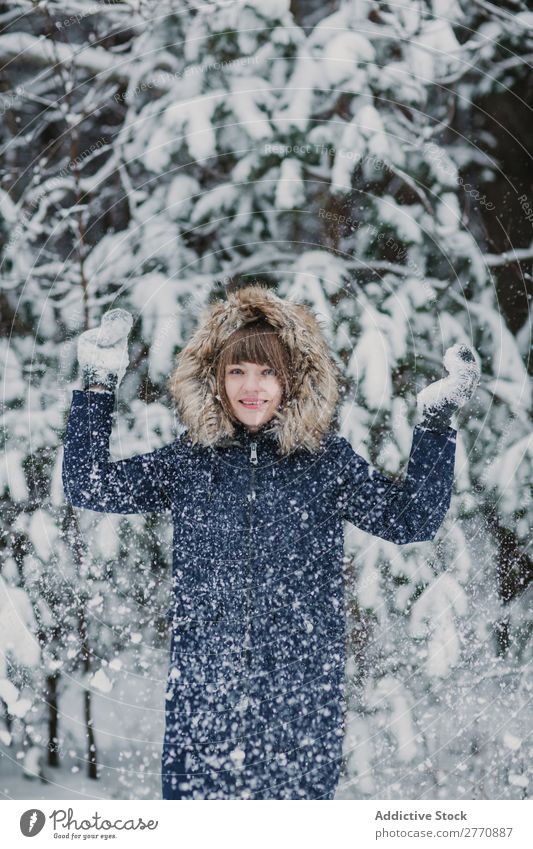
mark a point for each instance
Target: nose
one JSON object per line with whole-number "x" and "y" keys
{"x": 251, "y": 386}
{"x": 251, "y": 382}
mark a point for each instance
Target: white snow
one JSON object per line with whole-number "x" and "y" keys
{"x": 295, "y": 107}
{"x": 270, "y": 9}
{"x": 251, "y": 100}
{"x": 180, "y": 194}
{"x": 511, "y": 473}
{"x": 433, "y": 619}
{"x": 400, "y": 218}
{"x": 369, "y": 364}
{"x": 17, "y": 627}
{"x": 519, "y": 780}
{"x": 100, "y": 682}
{"x": 342, "y": 55}
{"x": 290, "y": 190}
{"x": 434, "y": 52}
{"x": 393, "y": 699}
{"x": 13, "y": 386}
{"x": 511, "y": 742}
{"x": 157, "y": 302}
{"x": 43, "y": 533}
{"x": 12, "y": 475}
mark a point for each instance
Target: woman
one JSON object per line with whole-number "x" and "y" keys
{"x": 258, "y": 487}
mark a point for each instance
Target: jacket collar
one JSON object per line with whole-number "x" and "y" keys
{"x": 243, "y": 436}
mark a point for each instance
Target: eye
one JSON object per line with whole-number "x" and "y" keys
{"x": 235, "y": 369}
{"x": 271, "y": 370}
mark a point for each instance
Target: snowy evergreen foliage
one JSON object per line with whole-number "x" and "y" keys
{"x": 150, "y": 155}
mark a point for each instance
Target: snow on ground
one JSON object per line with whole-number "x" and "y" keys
{"x": 128, "y": 727}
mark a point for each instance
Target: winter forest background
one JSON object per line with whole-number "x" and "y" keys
{"x": 367, "y": 158}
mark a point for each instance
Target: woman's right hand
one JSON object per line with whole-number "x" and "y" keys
{"x": 103, "y": 351}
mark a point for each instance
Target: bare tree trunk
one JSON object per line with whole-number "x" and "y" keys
{"x": 515, "y": 566}
{"x": 514, "y": 572}
{"x": 78, "y": 553}
{"x": 53, "y": 723}
{"x": 92, "y": 761}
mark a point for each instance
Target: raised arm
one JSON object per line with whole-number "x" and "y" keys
{"x": 405, "y": 511}
{"x": 413, "y": 510}
{"x": 140, "y": 484}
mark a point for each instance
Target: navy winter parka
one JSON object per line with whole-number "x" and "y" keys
{"x": 255, "y": 702}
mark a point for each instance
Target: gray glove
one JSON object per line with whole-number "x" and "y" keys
{"x": 103, "y": 351}
{"x": 437, "y": 402}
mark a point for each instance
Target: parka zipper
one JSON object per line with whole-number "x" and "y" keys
{"x": 251, "y": 499}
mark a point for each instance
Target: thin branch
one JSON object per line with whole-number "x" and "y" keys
{"x": 516, "y": 255}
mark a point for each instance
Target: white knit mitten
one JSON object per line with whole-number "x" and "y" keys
{"x": 437, "y": 402}
{"x": 103, "y": 351}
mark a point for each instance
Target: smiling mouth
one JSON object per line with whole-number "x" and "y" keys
{"x": 253, "y": 405}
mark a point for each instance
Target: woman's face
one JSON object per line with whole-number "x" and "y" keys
{"x": 254, "y": 393}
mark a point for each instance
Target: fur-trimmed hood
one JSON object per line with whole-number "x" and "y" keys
{"x": 306, "y": 416}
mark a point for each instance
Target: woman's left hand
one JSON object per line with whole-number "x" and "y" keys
{"x": 441, "y": 399}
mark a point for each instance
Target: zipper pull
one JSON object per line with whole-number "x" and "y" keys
{"x": 253, "y": 453}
